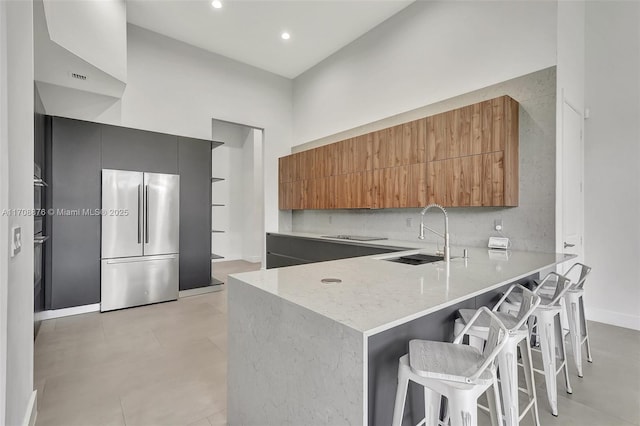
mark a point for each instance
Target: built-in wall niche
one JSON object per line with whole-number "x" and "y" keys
{"x": 237, "y": 194}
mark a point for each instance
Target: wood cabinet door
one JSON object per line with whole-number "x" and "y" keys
{"x": 463, "y": 181}
{"x": 354, "y": 190}
{"x": 436, "y": 189}
{"x": 363, "y": 152}
{"x": 391, "y": 187}
{"x": 306, "y": 165}
{"x": 417, "y": 195}
{"x": 284, "y": 195}
{"x": 493, "y": 179}
{"x": 381, "y": 149}
{"x": 346, "y": 156}
{"x": 436, "y": 132}
{"x": 414, "y": 142}
{"x": 283, "y": 170}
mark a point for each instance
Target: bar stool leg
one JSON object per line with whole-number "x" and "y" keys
{"x": 525, "y": 351}
{"x": 575, "y": 330}
{"x": 546, "y": 333}
{"x": 583, "y": 322}
{"x": 495, "y": 407}
{"x": 563, "y": 352}
{"x": 401, "y": 392}
{"x": 431, "y": 407}
{"x": 463, "y": 409}
{"x": 508, "y": 368}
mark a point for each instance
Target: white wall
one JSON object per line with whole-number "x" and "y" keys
{"x": 612, "y": 155}
{"x": 175, "y": 88}
{"x": 16, "y": 121}
{"x": 252, "y": 237}
{"x": 426, "y": 53}
{"x": 227, "y": 162}
{"x": 239, "y": 162}
{"x": 4, "y": 204}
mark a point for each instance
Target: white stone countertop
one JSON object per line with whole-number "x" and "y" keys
{"x": 376, "y": 295}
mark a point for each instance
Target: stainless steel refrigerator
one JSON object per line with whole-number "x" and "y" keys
{"x": 140, "y": 238}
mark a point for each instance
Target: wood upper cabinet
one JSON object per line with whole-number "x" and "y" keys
{"x": 464, "y": 157}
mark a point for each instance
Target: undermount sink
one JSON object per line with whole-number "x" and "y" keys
{"x": 416, "y": 259}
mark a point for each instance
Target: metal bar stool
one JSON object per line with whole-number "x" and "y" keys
{"x": 547, "y": 327}
{"x": 518, "y": 336}
{"x": 461, "y": 373}
{"x": 574, "y": 303}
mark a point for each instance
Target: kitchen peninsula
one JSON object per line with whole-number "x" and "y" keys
{"x": 304, "y": 351}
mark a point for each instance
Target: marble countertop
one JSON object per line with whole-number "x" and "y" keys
{"x": 376, "y": 295}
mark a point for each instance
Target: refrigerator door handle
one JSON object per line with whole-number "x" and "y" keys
{"x": 139, "y": 214}
{"x": 146, "y": 214}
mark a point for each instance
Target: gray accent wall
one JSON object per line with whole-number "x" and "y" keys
{"x": 530, "y": 226}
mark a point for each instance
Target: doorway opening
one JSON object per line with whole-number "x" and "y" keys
{"x": 237, "y": 194}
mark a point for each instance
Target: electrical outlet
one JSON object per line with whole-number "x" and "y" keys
{"x": 16, "y": 240}
{"x": 330, "y": 219}
{"x": 497, "y": 225}
{"x": 409, "y": 221}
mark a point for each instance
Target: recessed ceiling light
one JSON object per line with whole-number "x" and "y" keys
{"x": 217, "y": 4}
{"x": 285, "y": 35}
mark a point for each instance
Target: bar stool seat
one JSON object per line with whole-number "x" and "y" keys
{"x": 444, "y": 361}
{"x": 458, "y": 372}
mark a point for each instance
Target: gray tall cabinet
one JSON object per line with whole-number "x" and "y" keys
{"x": 79, "y": 151}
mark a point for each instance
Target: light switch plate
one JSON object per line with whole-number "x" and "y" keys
{"x": 16, "y": 240}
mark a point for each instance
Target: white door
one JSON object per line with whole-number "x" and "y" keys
{"x": 572, "y": 181}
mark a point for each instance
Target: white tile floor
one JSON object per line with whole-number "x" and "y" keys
{"x": 165, "y": 364}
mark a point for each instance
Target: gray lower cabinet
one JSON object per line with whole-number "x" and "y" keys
{"x": 75, "y": 234}
{"x": 194, "y": 166}
{"x": 287, "y": 250}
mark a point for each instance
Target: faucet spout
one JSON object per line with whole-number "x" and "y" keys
{"x": 444, "y": 235}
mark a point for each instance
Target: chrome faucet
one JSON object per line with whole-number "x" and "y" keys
{"x": 445, "y": 236}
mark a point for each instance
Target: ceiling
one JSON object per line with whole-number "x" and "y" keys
{"x": 249, "y": 30}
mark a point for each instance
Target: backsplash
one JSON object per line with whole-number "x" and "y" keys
{"x": 530, "y": 226}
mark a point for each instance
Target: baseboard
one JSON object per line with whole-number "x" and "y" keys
{"x": 613, "y": 318}
{"x": 32, "y": 410}
{"x": 66, "y": 312}
{"x": 201, "y": 290}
